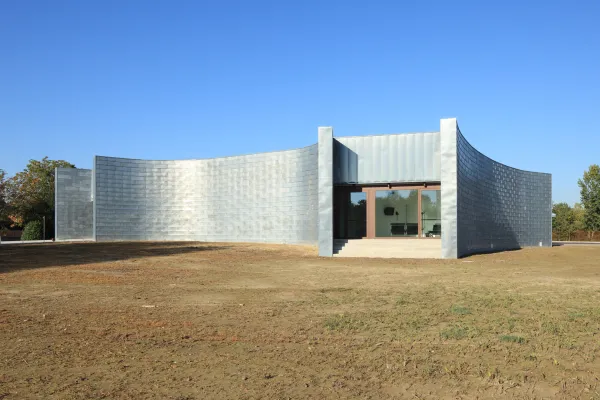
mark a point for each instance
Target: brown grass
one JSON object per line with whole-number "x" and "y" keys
{"x": 202, "y": 321}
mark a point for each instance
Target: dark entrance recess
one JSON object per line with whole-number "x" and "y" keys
{"x": 349, "y": 213}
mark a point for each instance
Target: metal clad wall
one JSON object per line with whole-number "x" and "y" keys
{"x": 410, "y": 157}
{"x": 73, "y": 204}
{"x": 448, "y": 132}
{"x": 267, "y": 197}
{"x": 325, "y": 165}
{"x": 500, "y": 207}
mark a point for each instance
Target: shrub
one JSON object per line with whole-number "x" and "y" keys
{"x": 342, "y": 322}
{"x": 512, "y": 338}
{"x": 454, "y": 332}
{"x": 460, "y": 310}
{"x": 32, "y": 231}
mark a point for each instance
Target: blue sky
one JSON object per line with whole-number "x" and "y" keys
{"x": 198, "y": 79}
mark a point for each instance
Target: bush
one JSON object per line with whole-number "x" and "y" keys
{"x": 32, "y": 231}
{"x": 512, "y": 338}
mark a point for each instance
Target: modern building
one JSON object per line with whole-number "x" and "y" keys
{"x": 403, "y": 195}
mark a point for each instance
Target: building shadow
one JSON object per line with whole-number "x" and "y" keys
{"x": 345, "y": 164}
{"x": 33, "y": 256}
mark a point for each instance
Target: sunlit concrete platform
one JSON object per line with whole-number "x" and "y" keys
{"x": 388, "y": 248}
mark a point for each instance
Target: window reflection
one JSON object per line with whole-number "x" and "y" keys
{"x": 357, "y": 215}
{"x": 431, "y": 213}
{"x": 396, "y": 213}
{"x": 350, "y": 214}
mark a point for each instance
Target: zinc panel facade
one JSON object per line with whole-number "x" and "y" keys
{"x": 325, "y": 195}
{"x": 73, "y": 204}
{"x": 266, "y": 197}
{"x": 500, "y": 207}
{"x": 408, "y": 157}
{"x": 449, "y": 131}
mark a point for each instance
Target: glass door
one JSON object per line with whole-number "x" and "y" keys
{"x": 350, "y": 213}
{"x": 431, "y": 213}
{"x": 396, "y": 213}
{"x": 404, "y": 211}
{"x": 400, "y": 211}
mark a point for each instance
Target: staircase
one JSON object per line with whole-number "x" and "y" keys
{"x": 388, "y": 248}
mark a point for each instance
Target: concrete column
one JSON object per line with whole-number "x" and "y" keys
{"x": 325, "y": 235}
{"x": 449, "y": 181}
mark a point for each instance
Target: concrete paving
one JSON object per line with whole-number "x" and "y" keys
{"x": 388, "y": 248}
{"x": 25, "y": 241}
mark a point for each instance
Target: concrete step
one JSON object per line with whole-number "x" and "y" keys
{"x": 388, "y": 248}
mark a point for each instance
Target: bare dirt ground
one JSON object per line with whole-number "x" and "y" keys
{"x": 246, "y": 321}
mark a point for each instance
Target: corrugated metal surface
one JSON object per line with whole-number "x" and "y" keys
{"x": 409, "y": 157}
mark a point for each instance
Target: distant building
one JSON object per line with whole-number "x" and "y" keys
{"x": 401, "y": 195}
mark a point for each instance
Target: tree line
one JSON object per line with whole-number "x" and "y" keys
{"x": 583, "y": 216}
{"x": 27, "y": 199}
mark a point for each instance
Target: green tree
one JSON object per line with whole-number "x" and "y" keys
{"x": 3, "y": 203}
{"x": 564, "y": 221}
{"x": 30, "y": 193}
{"x": 32, "y": 231}
{"x": 590, "y": 198}
{"x": 579, "y": 214}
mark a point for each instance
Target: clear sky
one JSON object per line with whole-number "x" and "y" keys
{"x": 199, "y": 79}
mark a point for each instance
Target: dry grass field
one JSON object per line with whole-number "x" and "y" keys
{"x": 244, "y": 321}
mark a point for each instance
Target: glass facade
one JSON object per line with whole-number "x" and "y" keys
{"x": 387, "y": 212}
{"x": 431, "y": 213}
{"x": 357, "y": 215}
{"x": 396, "y": 213}
{"x": 350, "y": 214}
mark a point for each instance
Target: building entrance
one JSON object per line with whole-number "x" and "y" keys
{"x": 393, "y": 211}
{"x": 349, "y": 213}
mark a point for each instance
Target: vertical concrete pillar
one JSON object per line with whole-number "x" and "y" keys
{"x": 449, "y": 181}
{"x": 325, "y": 191}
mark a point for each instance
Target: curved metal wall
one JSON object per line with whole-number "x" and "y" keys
{"x": 406, "y": 157}
{"x": 266, "y": 197}
{"x": 499, "y": 207}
